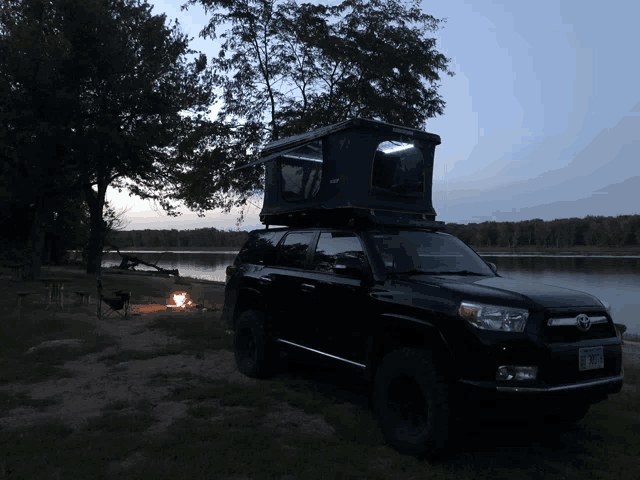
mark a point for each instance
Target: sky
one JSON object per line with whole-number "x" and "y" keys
{"x": 542, "y": 119}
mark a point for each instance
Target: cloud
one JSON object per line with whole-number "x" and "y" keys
{"x": 608, "y": 164}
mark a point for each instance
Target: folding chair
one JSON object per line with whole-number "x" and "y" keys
{"x": 115, "y": 304}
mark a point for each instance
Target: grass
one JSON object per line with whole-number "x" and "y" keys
{"x": 21, "y": 330}
{"x": 10, "y": 401}
{"x": 205, "y": 444}
{"x": 198, "y": 332}
{"x": 229, "y": 431}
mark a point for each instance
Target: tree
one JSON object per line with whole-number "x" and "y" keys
{"x": 33, "y": 122}
{"x": 127, "y": 108}
{"x": 285, "y": 68}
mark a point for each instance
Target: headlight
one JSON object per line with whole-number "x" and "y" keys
{"x": 494, "y": 317}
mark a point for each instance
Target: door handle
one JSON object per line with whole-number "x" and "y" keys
{"x": 305, "y": 287}
{"x": 264, "y": 280}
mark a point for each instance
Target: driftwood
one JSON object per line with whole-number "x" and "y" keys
{"x": 130, "y": 262}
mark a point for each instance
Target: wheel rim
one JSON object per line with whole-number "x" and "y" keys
{"x": 406, "y": 400}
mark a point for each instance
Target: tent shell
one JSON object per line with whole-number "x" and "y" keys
{"x": 335, "y": 179}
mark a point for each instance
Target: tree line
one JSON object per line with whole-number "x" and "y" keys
{"x": 591, "y": 231}
{"x": 175, "y": 239}
{"x": 103, "y": 93}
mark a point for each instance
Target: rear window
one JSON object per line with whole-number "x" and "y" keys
{"x": 261, "y": 249}
{"x": 293, "y": 251}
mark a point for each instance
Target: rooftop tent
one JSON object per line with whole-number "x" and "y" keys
{"x": 359, "y": 170}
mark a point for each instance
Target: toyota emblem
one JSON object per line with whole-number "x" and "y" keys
{"x": 584, "y": 322}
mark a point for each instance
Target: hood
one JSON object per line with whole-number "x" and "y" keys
{"x": 511, "y": 290}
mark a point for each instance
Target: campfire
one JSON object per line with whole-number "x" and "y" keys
{"x": 179, "y": 300}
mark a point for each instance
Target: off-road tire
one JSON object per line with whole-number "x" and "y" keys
{"x": 407, "y": 380}
{"x": 255, "y": 353}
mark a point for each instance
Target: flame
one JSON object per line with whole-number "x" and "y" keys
{"x": 180, "y": 300}
{"x": 177, "y": 300}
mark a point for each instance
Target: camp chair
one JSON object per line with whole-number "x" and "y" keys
{"x": 114, "y": 304}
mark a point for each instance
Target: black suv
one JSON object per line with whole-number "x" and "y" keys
{"x": 424, "y": 317}
{"x": 365, "y": 276}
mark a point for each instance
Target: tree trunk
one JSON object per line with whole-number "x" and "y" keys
{"x": 94, "y": 260}
{"x": 95, "y": 200}
{"x": 36, "y": 239}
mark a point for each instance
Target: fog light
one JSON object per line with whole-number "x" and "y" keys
{"x": 516, "y": 373}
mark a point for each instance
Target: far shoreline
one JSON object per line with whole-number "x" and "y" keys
{"x": 174, "y": 249}
{"x": 553, "y": 251}
{"x": 541, "y": 251}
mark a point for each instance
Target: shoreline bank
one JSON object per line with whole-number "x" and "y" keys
{"x": 553, "y": 251}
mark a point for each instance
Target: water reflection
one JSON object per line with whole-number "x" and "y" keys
{"x": 203, "y": 265}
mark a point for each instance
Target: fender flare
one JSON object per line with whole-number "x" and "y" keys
{"x": 377, "y": 339}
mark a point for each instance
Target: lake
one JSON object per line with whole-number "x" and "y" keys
{"x": 203, "y": 265}
{"x": 613, "y": 279}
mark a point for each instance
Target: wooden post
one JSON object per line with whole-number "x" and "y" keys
{"x": 99, "y": 282}
{"x": 21, "y": 296}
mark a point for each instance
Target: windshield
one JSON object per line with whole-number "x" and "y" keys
{"x": 411, "y": 251}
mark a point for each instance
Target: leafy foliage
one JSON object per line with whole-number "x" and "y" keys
{"x": 95, "y": 93}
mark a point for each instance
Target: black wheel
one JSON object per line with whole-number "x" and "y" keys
{"x": 255, "y": 353}
{"x": 410, "y": 402}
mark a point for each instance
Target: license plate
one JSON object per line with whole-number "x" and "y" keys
{"x": 591, "y": 358}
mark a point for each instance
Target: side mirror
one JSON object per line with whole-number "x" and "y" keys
{"x": 492, "y": 266}
{"x": 347, "y": 265}
{"x": 230, "y": 270}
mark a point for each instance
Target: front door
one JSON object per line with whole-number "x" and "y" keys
{"x": 288, "y": 297}
{"x": 337, "y": 306}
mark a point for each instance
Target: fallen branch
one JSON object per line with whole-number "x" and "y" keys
{"x": 130, "y": 262}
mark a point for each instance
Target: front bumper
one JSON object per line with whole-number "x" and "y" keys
{"x": 603, "y": 386}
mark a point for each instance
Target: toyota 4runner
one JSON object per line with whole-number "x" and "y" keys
{"x": 419, "y": 312}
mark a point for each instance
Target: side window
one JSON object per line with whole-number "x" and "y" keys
{"x": 301, "y": 172}
{"x": 293, "y": 250}
{"x": 260, "y": 249}
{"x": 332, "y": 245}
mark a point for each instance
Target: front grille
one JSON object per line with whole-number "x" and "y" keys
{"x": 571, "y": 333}
{"x": 561, "y": 366}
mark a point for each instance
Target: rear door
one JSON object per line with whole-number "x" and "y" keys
{"x": 255, "y": 260}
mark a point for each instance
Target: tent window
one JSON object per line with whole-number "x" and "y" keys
{"x": 398, "y": 170}
{"x": 301, "y": 172}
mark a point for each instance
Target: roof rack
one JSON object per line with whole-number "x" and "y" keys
{"x": 352, "y": 217}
